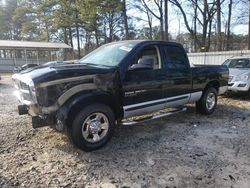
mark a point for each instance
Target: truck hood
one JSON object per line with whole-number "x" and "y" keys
{"x": 48, "y": 73}
{"x": 237, "y": 72}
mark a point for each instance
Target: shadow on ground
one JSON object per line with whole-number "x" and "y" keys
{"x": 238, "y": 96}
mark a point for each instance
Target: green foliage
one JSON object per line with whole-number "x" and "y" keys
{"x": 9, "y": 29}
{"x": 91, "y": 23}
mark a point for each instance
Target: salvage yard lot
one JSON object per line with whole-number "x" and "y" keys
{"x": 185, "y": 150}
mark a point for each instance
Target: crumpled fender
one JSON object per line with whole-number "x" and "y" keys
{"x": 85, "y": 99}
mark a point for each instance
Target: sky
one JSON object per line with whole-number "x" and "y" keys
{"x": 176, "y": 22}
{"x": 240, "y": 29}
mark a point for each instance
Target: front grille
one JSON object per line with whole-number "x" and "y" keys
{"x": 242, "y": 85}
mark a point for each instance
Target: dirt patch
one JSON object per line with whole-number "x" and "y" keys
{"x": 185, "y": 150}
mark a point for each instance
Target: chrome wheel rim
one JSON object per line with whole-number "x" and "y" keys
{"x": 95, "y": 127}
{"x": 210, "y": 103}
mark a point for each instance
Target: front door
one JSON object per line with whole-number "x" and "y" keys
{"x": 143, "y": 88}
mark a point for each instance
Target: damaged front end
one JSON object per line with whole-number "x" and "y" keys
{"x": 27, "y": 95}
{"x": 49, "y": 98}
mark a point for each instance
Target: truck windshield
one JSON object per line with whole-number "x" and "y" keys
{"x": 108, "y": 55}
{"x": 237, "y": 63}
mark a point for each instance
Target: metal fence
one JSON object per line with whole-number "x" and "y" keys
{"x": 214, "y": 58}
{"x": 8, "y": 64}
{"x": 205, "y": 58}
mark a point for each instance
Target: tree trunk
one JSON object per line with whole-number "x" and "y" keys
{"x": 209, "y": 35}
{"x": 125, "y": 17}
{"x": 105, "y": 33}
{"x": 111, "y": 29}
{"x": 162, "y": 29}
{"x": 65, "y": 36}
{"x": 78, "y": 41}
{"x": 71, "y": 42}
{"x": 229, "y": 24}
{"x": 205, "y": 24}
{"x": 166, "y": 19}
{"x": 160, "y": 7}
{"x": 70, "y": 37}
{"x": 219, "y": 37}
{"x": 195, "y": 26}
{"x": 150, "y": 25}
{"x": 96, "y": 37}
{"x": 249, "y": 27}
{"x": 66, "y": 42}
{"x": 78, "y": 36}
{"x": 47, "y": 31}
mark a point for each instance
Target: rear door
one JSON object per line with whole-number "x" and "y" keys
{"x": 178, "y": 75}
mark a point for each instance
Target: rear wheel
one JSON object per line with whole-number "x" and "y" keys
{"x": 208, "y": 102}
{"x": 92, "y": 127}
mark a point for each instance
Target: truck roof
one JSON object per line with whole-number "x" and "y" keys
{"x": 147, "y": 41}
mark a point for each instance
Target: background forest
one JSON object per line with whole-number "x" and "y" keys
{"x": 200, "y": 25}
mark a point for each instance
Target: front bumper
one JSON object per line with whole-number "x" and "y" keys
{"x": 37, "y": 121}
{"x": 239, "y": 86}
{"x": 27, "y": 106}
{"x": 41, "y": 116}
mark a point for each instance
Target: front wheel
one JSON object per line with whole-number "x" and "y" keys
{"x": 208, "y": 102}
{"x": 92, "y": 127}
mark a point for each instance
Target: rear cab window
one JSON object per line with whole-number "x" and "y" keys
{"x": 176, "y": 57}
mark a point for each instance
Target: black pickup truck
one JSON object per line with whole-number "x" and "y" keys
{"x": 119, "y": 83}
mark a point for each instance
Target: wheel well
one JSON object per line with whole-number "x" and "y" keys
{"x": 215, "y": 84}
{"x": 102, "y": 99}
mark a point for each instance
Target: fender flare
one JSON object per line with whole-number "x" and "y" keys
{"x": 81, "y": 98}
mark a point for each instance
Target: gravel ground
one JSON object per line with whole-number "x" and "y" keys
{"x": 184, "y": 150}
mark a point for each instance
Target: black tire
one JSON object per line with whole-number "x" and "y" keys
{"x": 79, "y": 126}
{"x": 202, "y": 106}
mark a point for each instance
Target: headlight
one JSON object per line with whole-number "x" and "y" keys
{"x": 32, "y": 91}
{"x": 242, "y": 78}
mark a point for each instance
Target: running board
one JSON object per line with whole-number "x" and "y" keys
{"x": 153, "y": 117}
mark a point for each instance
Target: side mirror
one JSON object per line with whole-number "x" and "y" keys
{"x": 143, "y": 63}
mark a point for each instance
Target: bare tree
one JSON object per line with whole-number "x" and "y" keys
{"x": 159, "y": 5}
{"x": 166, "y": 19}
{"x": 125, "y": 17}
{"x": 207, "y": 13}
{"x": 249, "y": 26}
{"x": 229, "y": 23}
{"x": 219, "y": 37}
{"x": 142, "y": 8}
{"x": 194, "y": 3}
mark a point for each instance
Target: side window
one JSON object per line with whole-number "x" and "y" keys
{"x": 152, "y": 53}
{"x": 176, "y": 57}
{"x": 239, "y": 63}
